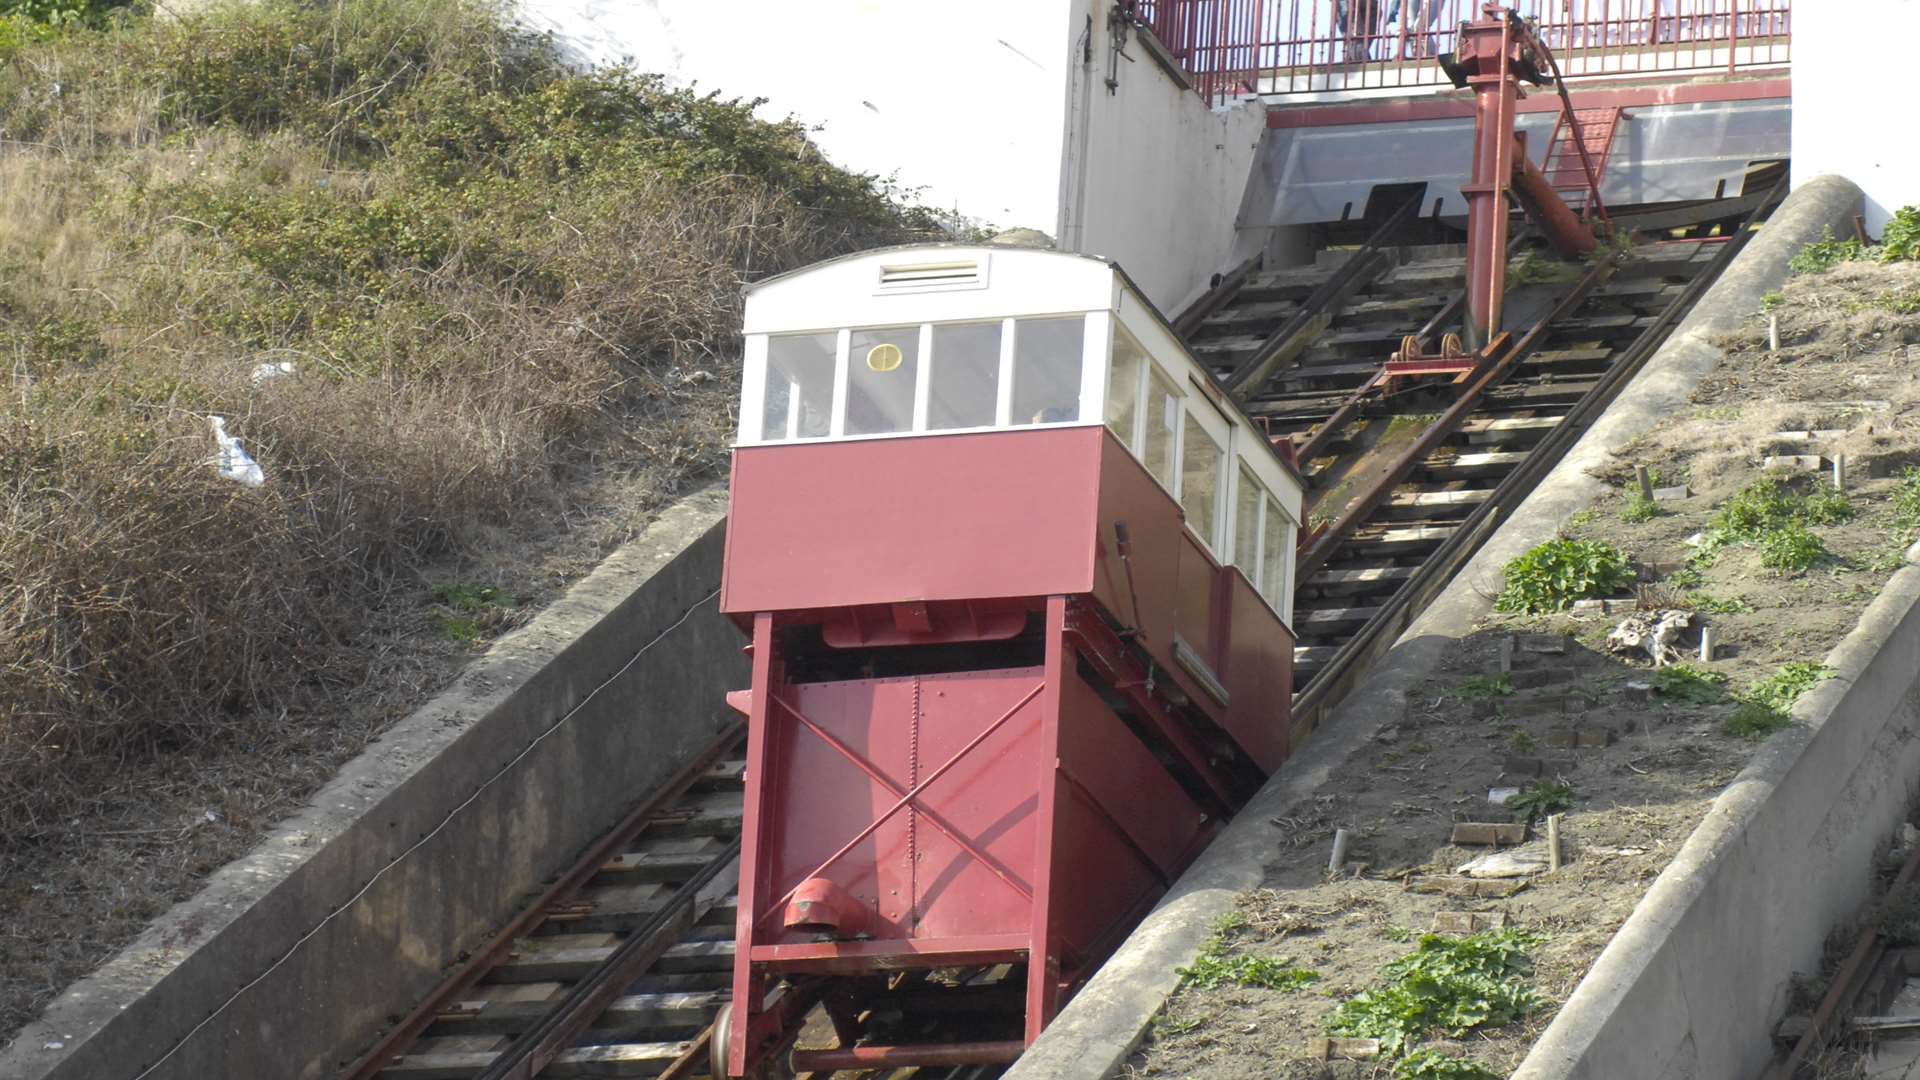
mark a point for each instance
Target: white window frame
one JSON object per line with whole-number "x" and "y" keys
{"x": 1139, "y": 447}
{"x": 1136, "y": 439}
{"x": 923, "y": 392}
{"x": 1214, "y": 423}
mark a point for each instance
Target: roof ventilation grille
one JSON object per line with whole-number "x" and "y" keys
{"x": 933, "y": 276}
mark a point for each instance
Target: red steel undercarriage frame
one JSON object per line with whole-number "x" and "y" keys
{"x": 1015, "y": 730}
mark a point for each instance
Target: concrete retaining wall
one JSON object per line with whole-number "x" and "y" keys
{"x": 1690, "y": 987}
{"x": 1097, "y": 1031}
{"x": 513, "y": 797}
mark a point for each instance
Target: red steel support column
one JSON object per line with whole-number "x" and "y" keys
{"x": 748, "y": 988}
{"x": 1563, "y": 228}
{"x": 1484, "y": 51}
{"x": 1043, "y": 975}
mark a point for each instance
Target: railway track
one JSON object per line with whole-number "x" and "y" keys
{"x": 1404, "y": 485}
{"x": 619, "y": 969}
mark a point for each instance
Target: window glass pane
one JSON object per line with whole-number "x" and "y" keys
{"x": 1273, "y": 571}
{"x": 1200, "y": 481}
{"x": 1046, "y": 370}
{"x": 1163, "y": 413}
{"x": 965, "y": 373}
{"x": 799, "y": 402}
{"x": 880, "y": 371}
{"x": 1123, "y": 386}
{"x": 1247, "y": 498}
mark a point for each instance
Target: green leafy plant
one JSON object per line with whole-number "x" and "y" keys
{"x": 1708, "y": 604}
{"x": 1165, "y": 1025}
{"x": 1762, "y": 505}
{"x": 1790, "y": 548}
{"x": 1485, "y": 686}
{"x": 1451, "y": 985}
{"x": 1751, "y": 721}
{"x": 1766, "y": 705}
{"x": 1553, "y": 575}
{"x": 1541, "y": 798}
{"x": 459, "y": 629}
{"x": 1685, "y": 682}
{"x": 1900, "y": 240}
{"x": 472, "y": 597}
{"x": 1826, "y": 253}
{"x": 1906, "y": 499}
{"x": 1210, "y": 970}
{"x": 1827, "y": 506}
{"x": 1687, "y": 577}
{"x": 1428, "y": 1064}
{"x": 1771, "y": 302}
{"x": 1639, "y": 508}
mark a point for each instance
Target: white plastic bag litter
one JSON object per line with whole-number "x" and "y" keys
{"x": 264, "y": 372}
{"x": 232, "y": 461}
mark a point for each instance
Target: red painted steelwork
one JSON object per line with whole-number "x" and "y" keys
{"x": 1489, "y": 53}
{"x": 949, "y": 517}
{"x": 1496, "y": 55}
{"x": 1593, "y": 95}
{"x": 1282, "y": 47}
{"x": 931, "y": 1055}
{"x": 1006, "y": 797}
{"x": 1563, "y": 228}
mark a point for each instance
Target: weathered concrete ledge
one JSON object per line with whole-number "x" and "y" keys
{"x": 253, "y": 978}
{"x": 1099, "y": 1029}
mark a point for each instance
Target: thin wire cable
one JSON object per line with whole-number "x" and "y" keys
{"x": 418, "y": 844}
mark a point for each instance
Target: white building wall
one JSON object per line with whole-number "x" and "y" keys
{"x": 1852, "y": 98}
{"x": 963, "y": 102}
{"x": 997, "y": 109}
{"x": 1152, "y": 177}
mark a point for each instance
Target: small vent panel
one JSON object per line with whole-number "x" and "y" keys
{"x": 933, "y": 276}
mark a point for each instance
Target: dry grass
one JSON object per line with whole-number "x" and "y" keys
{"x": 510, "y": 294}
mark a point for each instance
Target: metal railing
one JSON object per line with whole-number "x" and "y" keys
{"x": 1238, "y": 47}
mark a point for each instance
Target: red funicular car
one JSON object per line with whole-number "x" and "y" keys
{"x": 1016, "y": 574}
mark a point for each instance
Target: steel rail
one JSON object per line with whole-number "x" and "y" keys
{"x": 1317, "y": 311}
{"x": 1332, "y": 682}
{"x": 1486, "y": 377}
{"x": 409, "y": 1029}
{"x": 536, "y": 1048}
{"x": 1350, "y": 409}
{"x": 1223, "y": 289}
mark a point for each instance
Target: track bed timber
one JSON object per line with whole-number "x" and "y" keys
{"x": 1423, "y": 511}
{"x": 668, "y": 875}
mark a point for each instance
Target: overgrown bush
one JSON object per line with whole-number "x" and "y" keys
{"x": 1553, "y": 575}
{"x": 498, "y": 282}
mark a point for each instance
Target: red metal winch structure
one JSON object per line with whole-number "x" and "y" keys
{"x": 1015, "y": 572}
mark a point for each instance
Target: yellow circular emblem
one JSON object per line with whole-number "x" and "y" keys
{"x": 885, "y": 356}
